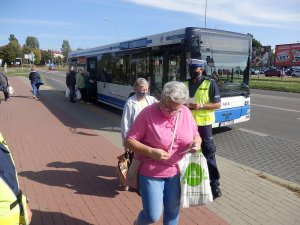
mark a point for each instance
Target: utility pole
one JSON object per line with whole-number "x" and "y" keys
{"x": 205, "y": 12}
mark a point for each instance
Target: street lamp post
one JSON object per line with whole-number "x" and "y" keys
{"x": 116, "y": 24}
{"x": 205, "y": 11}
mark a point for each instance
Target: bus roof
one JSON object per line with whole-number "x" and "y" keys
{"x": 165, "y": 38}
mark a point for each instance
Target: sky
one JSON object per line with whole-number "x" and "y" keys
{"x": 93, "y": 23}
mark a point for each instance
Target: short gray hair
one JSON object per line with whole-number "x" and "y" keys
{"x": 140, "y": 81}
{"x": 176, "y": 91}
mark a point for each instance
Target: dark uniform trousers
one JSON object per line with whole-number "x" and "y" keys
{"x": 209, "y": 151}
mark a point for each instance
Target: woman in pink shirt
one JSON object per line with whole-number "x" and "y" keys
{"x": 150, "y": 138}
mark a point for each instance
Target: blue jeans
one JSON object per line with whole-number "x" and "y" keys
{"x": 159, "y": 193}
{"x": 35, "y": 90}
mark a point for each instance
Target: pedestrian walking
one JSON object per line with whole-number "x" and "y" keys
{"x": 204, "y": 99}
{"x": 35, "y": 80}
{"x": 4, "y": 83}
{"x": 133, "y": 106}
{"x": 159, "y": 137}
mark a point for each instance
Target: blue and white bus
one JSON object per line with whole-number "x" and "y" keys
{"x": 163, "y": 57}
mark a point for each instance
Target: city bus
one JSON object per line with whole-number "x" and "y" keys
{"x": 164, "y": 57}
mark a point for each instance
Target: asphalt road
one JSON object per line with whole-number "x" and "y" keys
{"x": 269, "y": 142}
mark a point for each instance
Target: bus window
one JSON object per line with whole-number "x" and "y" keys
{"x": 157, "y": 76}
{"x": 174, "y": 68}
{"x": 140, "y": 66}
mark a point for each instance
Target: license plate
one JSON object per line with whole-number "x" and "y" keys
{"x": 226, "y": 123}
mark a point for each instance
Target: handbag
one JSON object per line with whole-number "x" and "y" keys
{"x": 194, "y": 180}
{"x": 122, "y": 169}
{"x": 10, "y": 90}
{"x": 78, "y": 94}
{"x": 132, "y": 178}
{"x": 39, "y": 82}
{"x": 67, "y": 92}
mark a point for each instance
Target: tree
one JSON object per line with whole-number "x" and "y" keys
{"x": 37, "y": 54}
{"x": 255, "y": 43}
{"x": 12, "y": 38}
{"x": 12, "y": 50}
{"x": 32, "y": 42}
{"x": 65, "y": 49}
{"x": 2, "y": 52}
{"x": 26, "y": 49}
{"x": 46, "y": 56}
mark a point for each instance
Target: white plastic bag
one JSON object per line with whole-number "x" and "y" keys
{"x": 10, "y": 90}
{"x": 78, "y": 94}
{"x": 194, "y": 179}
{"x": 67, "y": 93}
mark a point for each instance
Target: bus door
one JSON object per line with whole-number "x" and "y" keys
{"x": 166, "y": 67}
{"x": 92, "y": 67}
{"x": 157, "y": 75}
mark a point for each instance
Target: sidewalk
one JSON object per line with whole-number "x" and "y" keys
{"x": 66, "y": 156}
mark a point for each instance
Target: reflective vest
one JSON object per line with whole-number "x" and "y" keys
{"x": 203, "y": 117}
{"x": 11, "y": 206}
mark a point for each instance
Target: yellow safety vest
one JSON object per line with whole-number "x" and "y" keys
{"x": 203, "y": 117}
{"x": 10, "y": 205}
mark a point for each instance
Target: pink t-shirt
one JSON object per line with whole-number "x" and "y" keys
{"x": 153, "y": 128}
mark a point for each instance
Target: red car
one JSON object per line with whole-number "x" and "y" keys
{"x": 52, "y": 68}
{"x": 273, "y": 73}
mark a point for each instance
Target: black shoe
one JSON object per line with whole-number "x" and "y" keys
{"x": 216, "y": 192}
{"x": 72, "y": 101}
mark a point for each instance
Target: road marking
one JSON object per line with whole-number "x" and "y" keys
{"x": 298, "y": 118}
{"x": 253, "y": 132}
{"x": 271, "y": 107}
{"x": 56, "y": 80}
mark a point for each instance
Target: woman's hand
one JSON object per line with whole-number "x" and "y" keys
{"x": 195, "y": 145}
{"x": 158, "y": 154}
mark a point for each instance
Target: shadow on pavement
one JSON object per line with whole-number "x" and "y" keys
{"x": 40, "y": 217}
{"x": 80, "y": 115}
{"x": 219, "y": 130}
{"x": 82, "y": 177}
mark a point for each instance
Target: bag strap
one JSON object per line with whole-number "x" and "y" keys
{"x": 175, "y": 129}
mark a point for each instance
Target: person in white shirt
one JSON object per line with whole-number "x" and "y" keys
{"x": 135, "y": 104}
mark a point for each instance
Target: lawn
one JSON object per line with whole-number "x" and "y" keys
{"x": 287, "y": 84}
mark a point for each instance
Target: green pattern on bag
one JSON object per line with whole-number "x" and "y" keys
{"x": 194, "y": 174}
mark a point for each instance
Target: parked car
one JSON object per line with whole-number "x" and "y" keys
{"x": 273, "y": 73}
{"x": 296, "y": 73}
{"x": 52, "y": 67}
{"x": 262, "y": 70}
{"x": 254, "y": 72}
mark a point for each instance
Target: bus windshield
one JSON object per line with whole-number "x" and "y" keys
{"x": 227, "y": 57}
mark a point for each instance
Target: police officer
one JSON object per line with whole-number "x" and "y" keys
{"x": 204, "y": 99}
{"x": 13, "y": 204}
